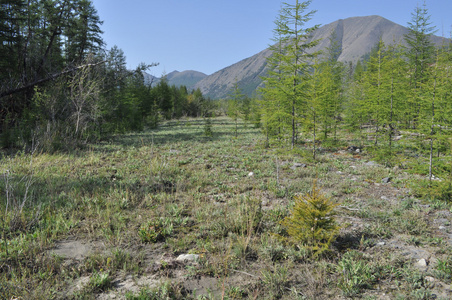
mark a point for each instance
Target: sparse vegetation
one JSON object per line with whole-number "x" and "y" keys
{"x": 131, "y": 205}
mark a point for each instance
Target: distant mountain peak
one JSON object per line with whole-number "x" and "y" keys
{"x": 189, "y": 78}
{"x": 356, "y": 35}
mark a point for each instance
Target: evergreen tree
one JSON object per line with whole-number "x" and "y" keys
{"x": 273, "y": 116}
{"x": 83, "y": 33}
{"x": 420, "y": 53}
{"x": 292, "y": 61}
{"x": 234, "y": 105}
{"x": 436, "y": 108}
{"x": 332, "y": 73}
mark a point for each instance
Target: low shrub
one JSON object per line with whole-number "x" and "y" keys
{"x": 312, "y": 222}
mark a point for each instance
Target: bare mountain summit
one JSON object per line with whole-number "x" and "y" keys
{"x": 356, "y": 36}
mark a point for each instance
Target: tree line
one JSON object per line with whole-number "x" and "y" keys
{"x": 398, "y": 87}
{"x": 306, "y": 96}
{"x": 61, "y": 87}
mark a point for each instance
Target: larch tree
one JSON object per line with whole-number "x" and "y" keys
{"x": 332, "y": 72}
{"x": 420, "y": 53}
{"x": 293, "y": 61}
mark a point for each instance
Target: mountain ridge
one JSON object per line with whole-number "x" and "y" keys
{"x": 355, "y": 35}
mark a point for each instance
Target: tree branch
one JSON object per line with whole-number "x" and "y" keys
{"x": 51, "y": 77}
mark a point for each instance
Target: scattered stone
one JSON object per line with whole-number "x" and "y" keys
{"x": 436, "y": 178}
{"x": 422, "y": 263}
{"x": 354, "y": 149}
{"x": 187, "y": 257}
{"x": 429, "y": 279}
{"x": 381, "y": 244}
{"x": 386, "y": 180}
{"x": 371, "y": 164}
{"x": 339, "y": 172}
{"x": 384, "y": 198}
{"x": 353, "y": 167}
{"x": 298, "y": 165}
{"x": 250, "y": 174}
{"x": 442, "y": 228}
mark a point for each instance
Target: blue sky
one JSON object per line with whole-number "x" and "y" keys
{"x": 208, "y": 35}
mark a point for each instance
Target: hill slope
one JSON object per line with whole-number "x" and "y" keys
{"x": 356, "y": 36}
{"x": 188, "y": 78}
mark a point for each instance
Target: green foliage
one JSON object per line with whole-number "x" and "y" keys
{"x": 443, "y": 269}
{"x": 355, "y": 273}
{"x": 208, "y": 127}
{"x": 289, "y": 65}
{"x": 276, "y": 280}
{"x": 155, "y": 230}
{"x": 312, "y": 222}
{"x": 435, "y": 190}
{"x": 99, "y": 282}
{"x": 167, "y": 290}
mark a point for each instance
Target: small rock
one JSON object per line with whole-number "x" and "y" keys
{"x": 187, "y": 257}
{"x": 298, "y": 165}
{"x": 353, "y": 149}
{"x": 339, "y": 172}
{"x": 381, "y": 244}
{"x": 386, "y": 180}
{"x": 250, "y": 174}
{"x": 384, "y": 198}
{"x": 353, "y": 167}
{"x": 429, "y": 279}
{"x": 442, "y": 227}
{"x": 422, "y": 263}
{"x": 371, "y": 164}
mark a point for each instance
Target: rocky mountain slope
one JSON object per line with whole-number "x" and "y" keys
{"x": 356, "y": 36}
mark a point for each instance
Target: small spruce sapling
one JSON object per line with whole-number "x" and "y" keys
{"x": 311, "y": 223}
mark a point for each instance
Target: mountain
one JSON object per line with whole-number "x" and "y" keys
{"x": 356, "y": 37}
{"x": 187, "y": 78}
